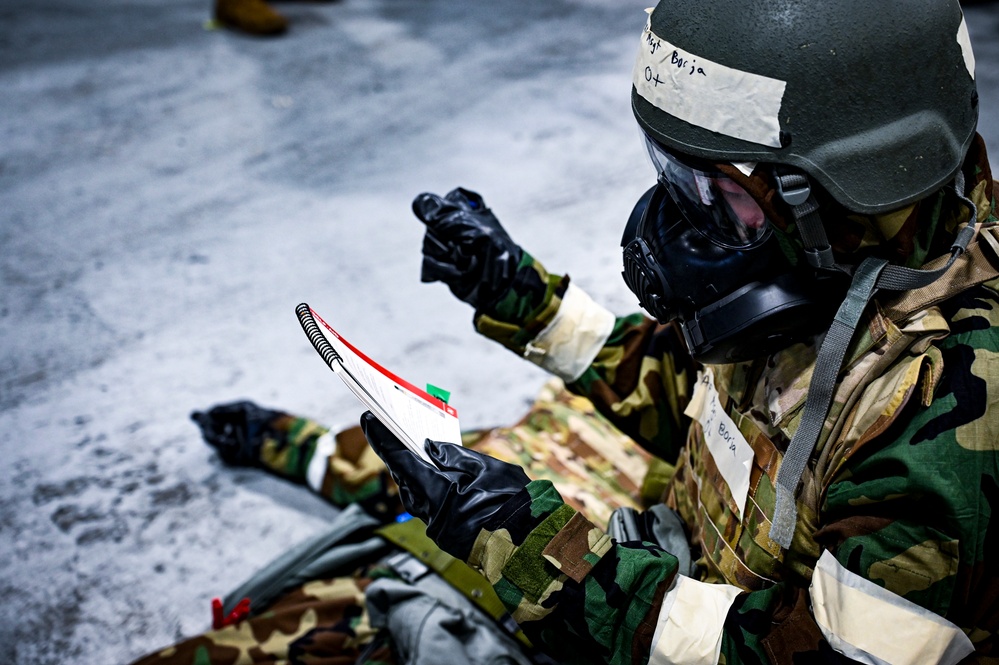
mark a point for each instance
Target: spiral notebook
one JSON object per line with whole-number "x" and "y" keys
{"x": 412, "y": 414}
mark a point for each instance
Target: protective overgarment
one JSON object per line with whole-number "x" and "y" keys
{"x": 891, "y": 553}
{"x": 895, "y": 514}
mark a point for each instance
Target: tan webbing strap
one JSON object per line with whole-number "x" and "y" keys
{"x": 411, "y": 536}
{"x": 978, "y": 264}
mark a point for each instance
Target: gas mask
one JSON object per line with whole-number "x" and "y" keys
{"x": 699, "y": 250}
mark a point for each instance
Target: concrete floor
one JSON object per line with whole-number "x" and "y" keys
{"x": 169, "y": 194}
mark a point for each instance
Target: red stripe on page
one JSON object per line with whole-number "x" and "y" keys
{"x": 447, "y": 408}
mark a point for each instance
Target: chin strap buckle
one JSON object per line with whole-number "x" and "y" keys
{"x": 792, "y": 187}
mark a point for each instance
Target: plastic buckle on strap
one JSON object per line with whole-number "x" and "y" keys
{"x": 793, "y": 188}
{"x": 964, "y": 237}
{"x": 509, "y": 624}
{"x": 820, "y": 257}
{"x": 407, "y": 566}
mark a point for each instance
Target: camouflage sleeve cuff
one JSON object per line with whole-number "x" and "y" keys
{"x": 577, "y": 547}
{"x": 528, "y": 551}
{"x": 527, "y": 307}
{"x": 341, "y": 468}
{"x": 289, "y": 444}
{"x": 498, "y": 540}
{"x": 575, "y": 593}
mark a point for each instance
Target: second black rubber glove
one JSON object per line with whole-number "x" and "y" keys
{"x": 466, "y": 247}
{"x": 456, "y": 497}
{"x": 237, "y": 430}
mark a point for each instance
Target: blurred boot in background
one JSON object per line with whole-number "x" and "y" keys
{"x": 251, "y": 16}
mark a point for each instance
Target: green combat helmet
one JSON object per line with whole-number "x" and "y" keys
{"x": 875, "y": 101}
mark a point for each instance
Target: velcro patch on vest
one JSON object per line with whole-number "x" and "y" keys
{"x": 577, "y": 547}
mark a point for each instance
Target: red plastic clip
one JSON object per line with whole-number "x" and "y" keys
{"x": 240, "y": 612}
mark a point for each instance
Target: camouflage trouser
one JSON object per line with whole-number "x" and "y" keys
{"x": 323, "y": 622}
{"x": 562, "y": 439}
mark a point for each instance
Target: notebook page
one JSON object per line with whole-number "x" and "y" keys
{"x": 412, "y": 413}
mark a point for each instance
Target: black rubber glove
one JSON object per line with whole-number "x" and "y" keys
{"x": 457, "y": 497}
{"x": 466, "y": 247}
{"x": 236, "y": 430}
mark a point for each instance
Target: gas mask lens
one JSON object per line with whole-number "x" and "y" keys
{"x": 713, "y": 203}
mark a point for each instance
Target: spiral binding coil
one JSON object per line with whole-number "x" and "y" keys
{"x": 315, "y": 335}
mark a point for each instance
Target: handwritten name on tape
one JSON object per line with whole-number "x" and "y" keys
{"x": 732, "y": 453}
{"x": 707, "y": 94}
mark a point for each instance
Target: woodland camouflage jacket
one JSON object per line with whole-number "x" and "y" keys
{"x": 896, "y": 549}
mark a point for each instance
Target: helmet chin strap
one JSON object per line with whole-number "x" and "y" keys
{"x": 871, "y": 276}
{"x": 794, "y": 188}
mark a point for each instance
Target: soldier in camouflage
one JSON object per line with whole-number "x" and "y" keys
{"x": 816, "y": 395}
{"x": 822, "y": 381}
{"x": 324, "y": 618}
